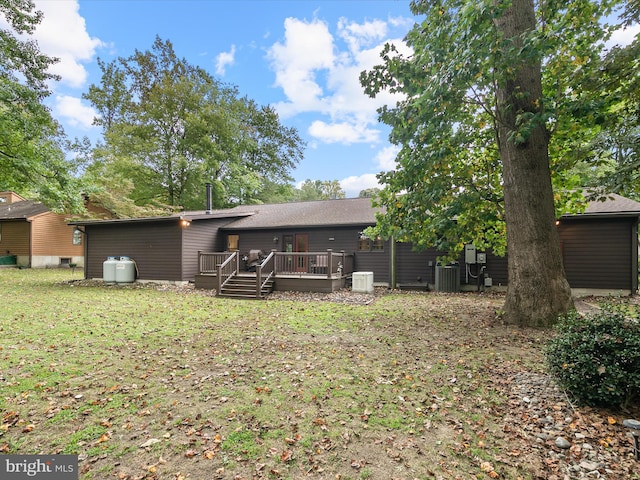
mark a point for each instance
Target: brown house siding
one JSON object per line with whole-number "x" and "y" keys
{"x": 377, "y": 262}
{"x": 412, "y": 267}
{"x": 155, "y": 247}
{"x": 53, "y": 237}
{"x": 598, "y": 253}
{"x": 201, "y": 235}
{"x": 14, "y": 238}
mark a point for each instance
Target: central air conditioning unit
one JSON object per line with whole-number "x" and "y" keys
{"x": 447, "y": 278}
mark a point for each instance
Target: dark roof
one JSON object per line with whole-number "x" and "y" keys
{"x": 320, "y": 213}
{"x": 612, "y": 205}
{"x": 21, "y": 210}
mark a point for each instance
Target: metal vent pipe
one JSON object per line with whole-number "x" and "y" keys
{"x": 209, "y": 198}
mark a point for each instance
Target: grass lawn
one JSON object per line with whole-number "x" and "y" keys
{"x": 145, "y": 383}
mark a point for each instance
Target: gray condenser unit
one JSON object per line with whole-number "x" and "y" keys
{"x": 447, "y": 278}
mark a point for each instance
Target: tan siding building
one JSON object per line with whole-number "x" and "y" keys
{"x": 36, "y": 236}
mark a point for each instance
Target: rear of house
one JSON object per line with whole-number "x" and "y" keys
{"x": 600, "y": 246}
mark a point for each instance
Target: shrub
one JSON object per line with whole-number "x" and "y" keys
{"x": 596, "y": 358}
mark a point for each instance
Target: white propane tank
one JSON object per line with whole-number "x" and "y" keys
{"x": 125, "y": 270}
{"x": 109, "y": 270}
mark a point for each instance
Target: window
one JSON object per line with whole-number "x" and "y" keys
{"x": 3, "y": 199}
{"x": 77, "y": 237}
{"x": 363, "y": 244}
{"x": 366, "y": 244}
{"x": 233, "y": 243}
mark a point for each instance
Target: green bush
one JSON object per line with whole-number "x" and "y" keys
{"x": 596, "y": 357}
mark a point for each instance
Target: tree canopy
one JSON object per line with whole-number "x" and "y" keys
{"x": 171, "y": 127}
{"x": 318, "y": 190}
{"x": 471, "y": 108}
{"x": 32, "y": 161}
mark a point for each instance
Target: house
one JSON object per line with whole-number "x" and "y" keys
{"x": 318, "y": 245}
{"x": 33, "y": 236}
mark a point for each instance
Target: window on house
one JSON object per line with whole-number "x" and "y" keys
{"x": 363, "y": 244}
{"x": 3, "y": 199}
{"x": 77, "y": 237}
{"x": 233, "y": 243}
{"x": 377, "y": 244}
{"x": 65, "y": 261}
{"x": 366, "y": 244}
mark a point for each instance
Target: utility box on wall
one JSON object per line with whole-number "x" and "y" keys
{"x": 362, "y": 282}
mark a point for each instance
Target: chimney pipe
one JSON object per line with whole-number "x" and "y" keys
{"x": 209, "y": 198}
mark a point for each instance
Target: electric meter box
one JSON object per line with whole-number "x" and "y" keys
{"x": 481, "y": 258}
{"x": 470, "y": 253}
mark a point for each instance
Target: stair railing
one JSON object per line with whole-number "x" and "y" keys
{"x": 264, "y": 272}
{"x": 227, "y": 270}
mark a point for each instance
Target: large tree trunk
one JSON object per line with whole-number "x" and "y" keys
{"x": 538, "y": 290}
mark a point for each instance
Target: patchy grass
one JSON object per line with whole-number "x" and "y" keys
{"x": 144, "y": 383}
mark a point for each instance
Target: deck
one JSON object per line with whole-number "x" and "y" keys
{"x": 303, "y": 272}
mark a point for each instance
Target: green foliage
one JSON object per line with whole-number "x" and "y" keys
{"x": 447, "y": 122}
{"x": 170, "y": 127}
{"x": 596, "y": 358}
{"x": 319, "y": 190}
{"x": 32, "y": 162}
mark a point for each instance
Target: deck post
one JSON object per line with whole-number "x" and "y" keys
{"x": 258, "y": 280}
{"x": 275, "y": 263}
{"x": 329, "y": 262}
{"x": 199, "y": 261}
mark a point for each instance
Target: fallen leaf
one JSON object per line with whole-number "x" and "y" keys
{"x": 286, "y": 456}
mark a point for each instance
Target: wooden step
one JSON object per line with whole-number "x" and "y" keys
{"x": 245, "y": 287}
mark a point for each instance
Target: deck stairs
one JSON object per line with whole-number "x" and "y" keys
{"x": 245, "y": 287}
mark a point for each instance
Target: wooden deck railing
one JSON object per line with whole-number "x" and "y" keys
{"x": 226, "y": 270}
{"x": 329, "y": 263}
{"x": 265, "y": 272}
{"x": 208, "y": 261}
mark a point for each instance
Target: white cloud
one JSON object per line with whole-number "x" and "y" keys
{"x": 225, "y": 59}
{"x": 307, "y": 49}
{"x": 346, "y": 133}
{"x": 74, "y": 111}
{"x": 63, "y": 34}
{"x": 358, "y": 35}
{"x": 352, "y": 186}
{"x": 317, "y": 76}
{"x": 623, "y": 36}
{"x": 386, "y": 158}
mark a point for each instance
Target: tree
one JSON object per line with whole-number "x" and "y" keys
{"x": 319, "y": 190}
{"x": 369, "y": 192}
{"x": 32, "y": 162}
{"x": 171, "y": 127}
{"x": 616, "y": 144}
{"x": 474, "y": 129}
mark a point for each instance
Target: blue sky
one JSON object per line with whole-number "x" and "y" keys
{"x": 301, "y": 56}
